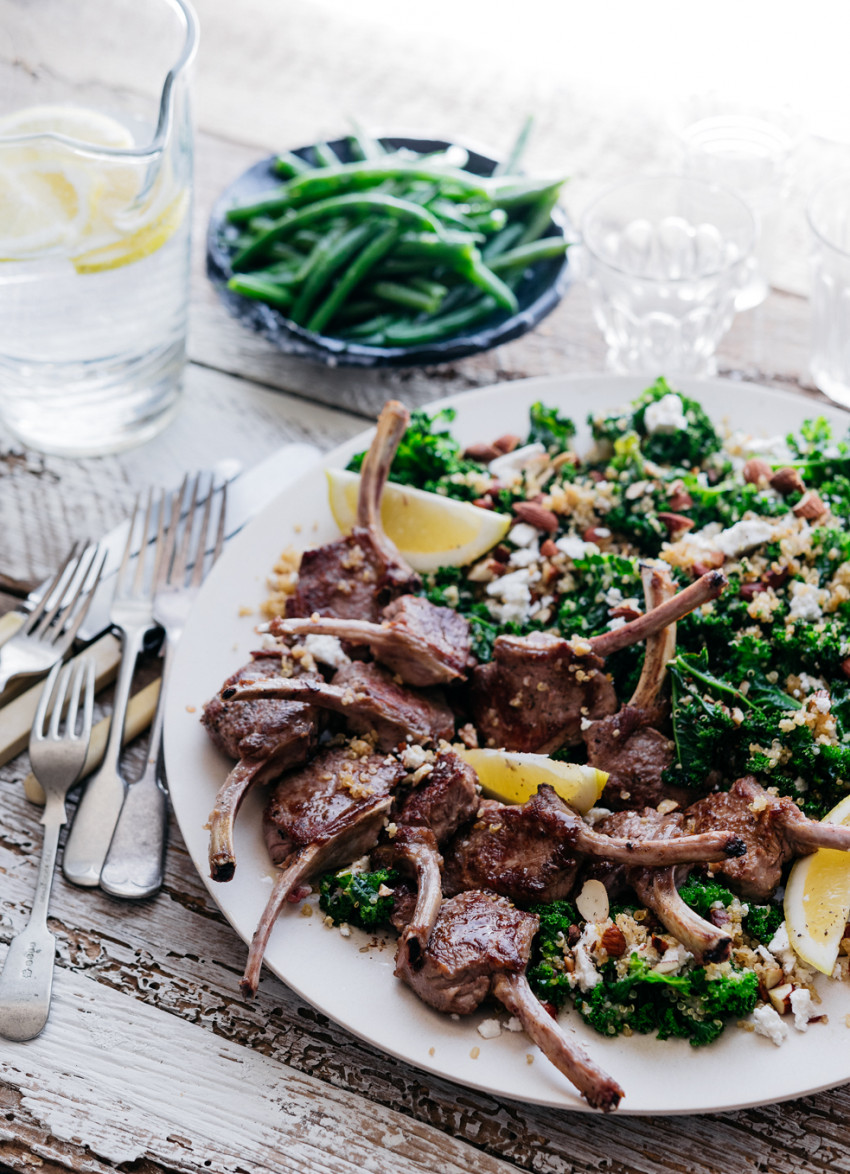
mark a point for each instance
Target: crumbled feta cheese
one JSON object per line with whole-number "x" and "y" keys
{"x": 412, "y": 757}
{"x": 574, "y": 547}
{"x": 613, "y": 596}
{"x": 780, "y": 948}
{"x": 514, "y": 593}
{"x": 767, "y": 1022}
{"x": 811, "y": 684}
{"x": 524, "y": 557}
{"x": 804, "y": 602}
{"x": 665, "y": 416}
{"x": 522, "y": 534}
{"x": 585, "y": 975}
{"x": 673, "y": 961}
{"x": 744, "y": 536}
{"x": 489, "y": 1028}
{"x": 514, "y": 462}
{"x": 617, "y": 622}
{"x": 513, "y": 1024}
{"x": 326, "y": 650}
{"x": 803, "y": 1007}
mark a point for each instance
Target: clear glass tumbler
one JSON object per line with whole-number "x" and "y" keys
{"x": 95, "y": 214}
{"x": 829, "y": 224}
{"x": 664, "y": 258}
{"x": 752, "y": 156}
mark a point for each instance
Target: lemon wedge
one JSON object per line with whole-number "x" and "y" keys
{"x": 817, "y": 900}
{"x": 55, "y": 198}
{"x": 514, "y": 778}
{"x": 430, "y": 530}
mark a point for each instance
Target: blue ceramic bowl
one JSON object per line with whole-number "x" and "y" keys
{"x": 540, "y": 290}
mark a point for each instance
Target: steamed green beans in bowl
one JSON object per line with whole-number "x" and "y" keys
{"x": 389, "y": 252}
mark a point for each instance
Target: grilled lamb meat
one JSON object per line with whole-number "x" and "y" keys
{"x": 480, "y": 945}
{"x": 446, "y": 798}
{"x": 534, "y": 693}
{"x": 267, "y": 736}
{"x": 533, "y": 852}
{"x": 320, "y": 817}
{"x": 356, "y": 576}
{"x": 420, "y": 642}
{"x": 774, "y": 830}
{"x": 658, "y": 888}
{"x": 369, "y": 699}
{"x": 628, "y": 745}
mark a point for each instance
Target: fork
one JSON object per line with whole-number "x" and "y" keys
{"x": 135, "y": 862}
{"x": 48, "y": 632}
{"x": 57, "y": 760}
{"x": 132, "y": 613}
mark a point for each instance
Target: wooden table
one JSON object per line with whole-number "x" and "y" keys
{"x": 151, "y": 1061}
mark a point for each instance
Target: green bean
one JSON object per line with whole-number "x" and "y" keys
{"x": 325, "y": 156}
{"x": 364, "y": 145}
{"x": 416, "y": 333}
{"x": 530, "y": 254}
{"x": 366, "y": 173}
{"x": 269, "y": 203}
{"x": 510, "y": 165}
{"x": 369, "y": 326}
{"x": 404, "y": 295}
{"x": 434, "y": 288}
{"x": 487, "y": 280}
{"x": 354, "y": 202}
{"x": 489, "y": 221}
{"x": 511, "y": 195}
{"x": 288, "y": 165}
{"x": 540, "y": 218}
{"x": 331, "y": 256}
{"x": 251, "y": 286}
{"x": 358, "y": 310}
{"x": 355, "y": 273}
{"x": 502, "y": 241}
{"x": 436, "y": 249}
{"x": 284, "y": 251}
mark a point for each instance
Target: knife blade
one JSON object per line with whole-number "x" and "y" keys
{"x": 247, "y": 494}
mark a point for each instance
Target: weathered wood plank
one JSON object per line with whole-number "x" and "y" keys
{"x": 128, "y": 1083}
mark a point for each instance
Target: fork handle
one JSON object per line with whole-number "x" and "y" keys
{"x": 135, "y": 864}
{"x": 26, "y": 983}
{"x": 100, "y": 805}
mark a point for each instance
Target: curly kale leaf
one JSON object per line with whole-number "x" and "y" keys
{"x": 353, "y": 897}
{"x": 763, "y": 921}
{"x": 548, "y": 427}
{"x": 429, "y": 457}
{"x": 546, "y": 974}
{"x": 703, "y": 895}
{"x": 690, "y": 1006}
{"x": 684, "y": 448}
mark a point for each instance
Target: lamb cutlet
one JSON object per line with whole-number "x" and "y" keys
{"x": 267, "y": 737}
{"x": 658, "y": 888}
{"x": 354, "y": 577}
{"x": 774, "y": 829}
{"x": 369, "y": 699}
{"x": 420, "y": 642}
{"x": 534, "y": 852}
{"x": 627, "y": 745}
{"x": 321, "y": 817}
{"x": 534, "y": 693}
{"x": 480, "y": 945}
{"x": 429, "y": 815}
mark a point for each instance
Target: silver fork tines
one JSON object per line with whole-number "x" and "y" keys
{"x": 48, "y": 632}
{"x": 58, "y": 754}
{"x": 134, "y": 866}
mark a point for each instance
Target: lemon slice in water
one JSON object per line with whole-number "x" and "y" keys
{"x": 817, "y": 900}
{"x": 430, "y": 530}
{"x": 56, "y": 199}
{"x": 514, "y": 778}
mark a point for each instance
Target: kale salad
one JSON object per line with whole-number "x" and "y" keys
{"x": 759, "y": 685}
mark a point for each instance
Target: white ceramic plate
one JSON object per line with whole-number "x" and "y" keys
{"x": 354, "y": 984}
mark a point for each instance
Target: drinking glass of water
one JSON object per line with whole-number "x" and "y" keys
{"x": 95, "y": 212}
{"x": 664, "y": 258}
{"x": 829, "y": 225}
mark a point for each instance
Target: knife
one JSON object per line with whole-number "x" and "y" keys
{"x": 247, "y": 494}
